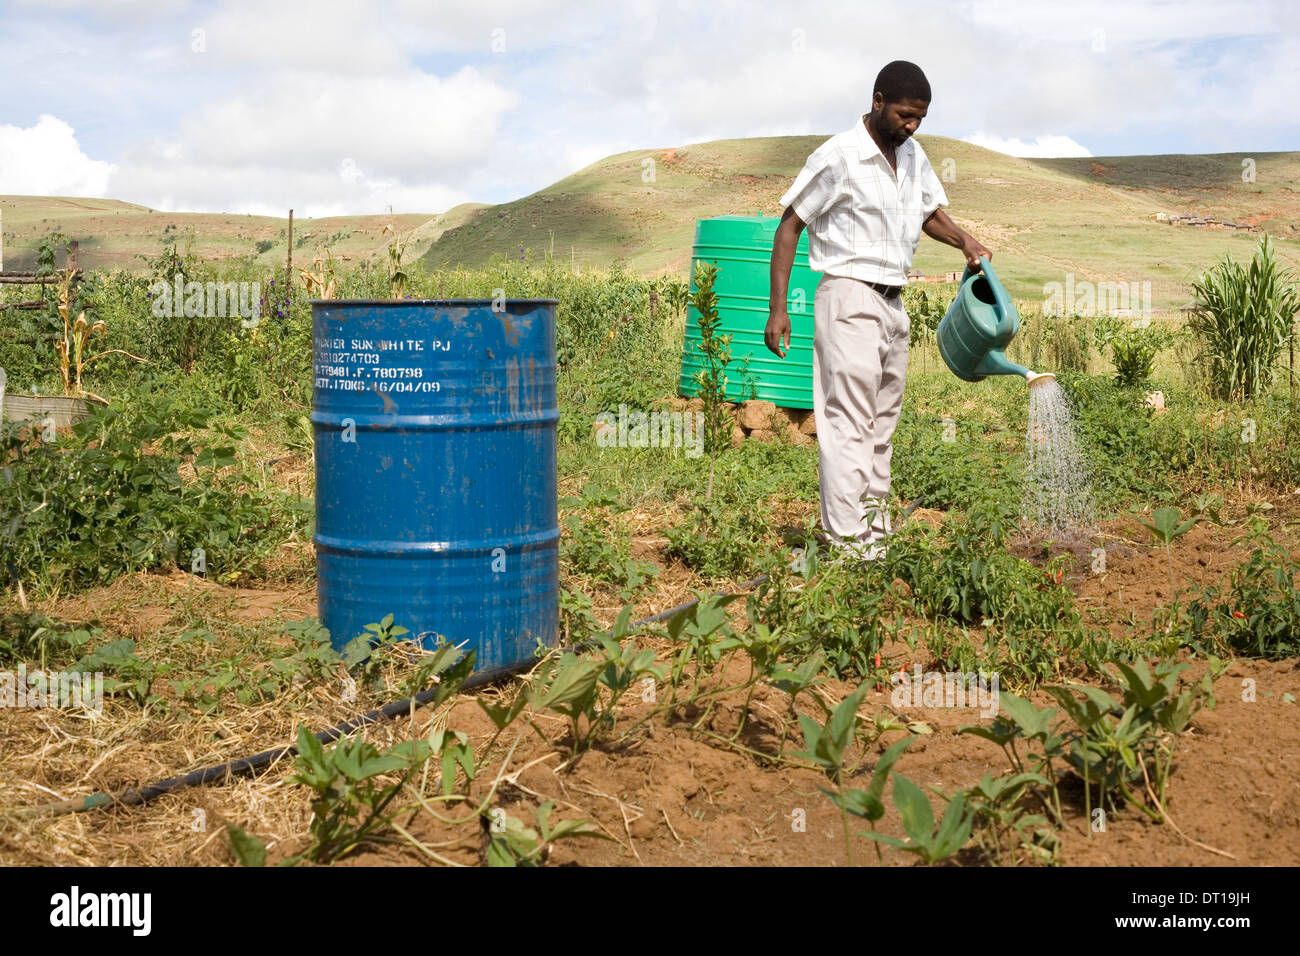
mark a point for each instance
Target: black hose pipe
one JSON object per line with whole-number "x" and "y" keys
{"x": 135, "y": 796}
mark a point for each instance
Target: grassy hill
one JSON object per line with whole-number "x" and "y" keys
{"x": 115, "y": 234}
{"x": 1043, "y": 218}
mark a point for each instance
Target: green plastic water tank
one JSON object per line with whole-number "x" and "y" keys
{"x": 741, "y": 247}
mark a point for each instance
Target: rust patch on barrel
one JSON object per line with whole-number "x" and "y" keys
{"x": 508, "y": 324}
{"x": 390, "y": 406}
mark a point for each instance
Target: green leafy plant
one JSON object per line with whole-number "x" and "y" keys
{"x": 1003, "y": 827}
{"x": 203, "y": 691}
{"x": 765, "y": 647}
{"x": 247, "y": 849}
{"x": 512, "y": 843}
{"x": 831, "y": 607}
{"x": 963, "y": 572}
{"x": 135, "y": 486}
{"x": 711, "y": 380}
{"x": 1209, "y": 507}
{"x": 1020, "y": 721}
{"x": 926, "y": 309}
{"x": 568, "y": 684}
{"x": 312, "y": 659}
{"x": 869, "y": 804}
{"x": 1166, "y": 525}
{"x": 700, "y": 629}
{"x": 593, "y": 549}
{"x": 366, "y": 654}
{"x": 1133, "y": 346}
{"x": 923, "y": 839}
{"x": 133, "y": 676}
{"x": 351, "y": 793}
{"x": 622, "y": 667}
{"x": 170, "y": 337}
{"x": 827, "y": 747}
{"x": 676, "y": 294}
{"x": 1123, "y": 748}
{"x": 720, "y": 538}
{"x": 446, "y": 665}
{"x": 34, "y": 636}
{"x": 577, "y": 618}
{"x": 587, "y": 690}
{"x": 1255, "y": 610}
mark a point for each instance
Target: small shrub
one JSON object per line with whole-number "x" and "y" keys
{"x": 1133, "y": 348}
{"x": 1256, "y": 611}
{"x": 720, "y": 539}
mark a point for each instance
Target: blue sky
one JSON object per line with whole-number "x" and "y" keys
{"x": 343, "y": 108}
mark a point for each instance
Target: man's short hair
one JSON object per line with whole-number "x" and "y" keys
{"x": 901, "y": 80}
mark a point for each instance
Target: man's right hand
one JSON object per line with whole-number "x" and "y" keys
{"x": 777, "y": 333}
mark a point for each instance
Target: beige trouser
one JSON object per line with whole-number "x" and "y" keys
{"x": 860, "y": 342}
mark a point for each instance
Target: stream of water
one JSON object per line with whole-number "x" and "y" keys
{"x": 1057, "y": 483}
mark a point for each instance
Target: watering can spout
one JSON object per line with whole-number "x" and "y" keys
{"x": 978, "y": 326}
{"x": 1039, "y": 378}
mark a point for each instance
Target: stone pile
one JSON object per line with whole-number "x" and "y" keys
{"x": 761, "y": 420}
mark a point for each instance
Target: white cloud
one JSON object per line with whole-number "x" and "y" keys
{"x": 406, "y": 121}
{"x": 325, "y": 144}
{"x": 1041, "y": 146}
{"x": 340, "y": 36}
{"x": 330, "y": 105}
{"x": 270, "y": 190}
{"x": 118, "y": 9}
{"x": 45, "y": 160}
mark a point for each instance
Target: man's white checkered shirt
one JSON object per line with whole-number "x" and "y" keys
{"x": 864, "y": 222}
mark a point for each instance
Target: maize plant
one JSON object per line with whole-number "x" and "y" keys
{"x": 72, "y": 346}
{"x": 1243, "y": 319}
{"x": 321, "y": 284}
{"x": 396, "y": 277}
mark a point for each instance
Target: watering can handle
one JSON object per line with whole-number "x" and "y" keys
{"x": 984, "y": 267}
{"x": 999, "y": 293}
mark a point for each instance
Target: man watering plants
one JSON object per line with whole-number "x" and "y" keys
{"x": 865, "y": 196}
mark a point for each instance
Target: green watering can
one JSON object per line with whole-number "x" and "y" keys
{"x": 979, "y": 325}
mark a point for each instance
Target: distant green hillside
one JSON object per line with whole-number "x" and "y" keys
{"x": 115, "y": 234}
{"x": 1041, "y": 217}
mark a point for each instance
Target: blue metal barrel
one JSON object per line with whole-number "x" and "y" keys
{"x": 435, "y": 424}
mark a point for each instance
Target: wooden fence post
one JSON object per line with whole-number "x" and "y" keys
{"x": 288, "y": 270}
